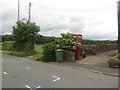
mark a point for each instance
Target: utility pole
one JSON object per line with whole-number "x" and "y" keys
{"x": 18, "y": 10}
{"x": 118, "y": 26}
{"x": 29, "y": 11}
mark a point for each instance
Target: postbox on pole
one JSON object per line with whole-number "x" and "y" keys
{"x": 79, "y": 51}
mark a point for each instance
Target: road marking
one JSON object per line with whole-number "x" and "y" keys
{"x": 28, "y": 86}
{"x": 57, "y": 78}
{"x": 38, "y": 87}
{"x": 5, "y": 73}
{"x": 27, "y": 67}
{"x": 32, "y": 88}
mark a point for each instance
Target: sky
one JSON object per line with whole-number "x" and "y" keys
{"x": 94, "y": 19}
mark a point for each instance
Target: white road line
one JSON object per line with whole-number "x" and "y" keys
{"x": 5, "y": 73}
{"x": 32, "y": 88}
{"x": 28, "y": 86}
{"x": 57, "y": 78}
{"x": 27, "y": 67}
{"x": 38, "y": 87}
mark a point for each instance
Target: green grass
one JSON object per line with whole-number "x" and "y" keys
{"x": 18, "y": 54}
{"x": 35, "y": 56}
{"x": 105, "y": 64}
{"x": 39, "y": 49}
{"x": 0, "y": 46}
{"x": 39, "y": 52}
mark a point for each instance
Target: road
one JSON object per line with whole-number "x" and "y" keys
{"x": 24, "y": 73}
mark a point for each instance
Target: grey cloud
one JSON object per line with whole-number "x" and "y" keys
{"x": 54, "y": 27}
{"x": 75, "y": 27}
{"x": 9, "y": 15}
{"x": 75, "y": 19}
{"x": 100, "y": 36}
{"x": 7, "y": 28}
{"x": 53, "y": 23}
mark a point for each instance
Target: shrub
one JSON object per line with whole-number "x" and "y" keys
{"x": 29, "y": 48}
{"x": 67, "y": 41}
{"x": 41, "y": 59}
{"x": 7, "y": 45}
{"x": 49, "y": 51}
{"x": 112, "y": 61}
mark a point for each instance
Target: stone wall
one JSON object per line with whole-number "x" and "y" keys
{"x": 94, "y": 49}
{"x": 90, "y": 50}
{"x": 69, "y": 56}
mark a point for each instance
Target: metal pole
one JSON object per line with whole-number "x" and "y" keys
{"x": 118, "y": 26}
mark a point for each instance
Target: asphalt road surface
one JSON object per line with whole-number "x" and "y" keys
{"x": 24, "y": 73}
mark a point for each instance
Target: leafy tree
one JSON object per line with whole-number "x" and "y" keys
{"x": 25, "y": 35}
{"x": 67, "y": 41}
{"x": 44, "y": 39}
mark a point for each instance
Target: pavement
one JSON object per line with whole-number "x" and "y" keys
{"x": 94, "y": 63}
{"x": 25, "y": 73}
{"x": 92, "y": 68}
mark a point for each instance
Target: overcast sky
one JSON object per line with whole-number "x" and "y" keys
{"x": 94, "y": 19}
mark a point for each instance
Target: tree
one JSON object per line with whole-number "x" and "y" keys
{"x": 25, "y": 35}
{"x": 67, "y": 41}
{"x": 44, "y": 39}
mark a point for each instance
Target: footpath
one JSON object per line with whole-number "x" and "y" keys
{"x": 93, "y": 64}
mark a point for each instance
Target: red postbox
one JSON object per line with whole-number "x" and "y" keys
{"x": 79, "y": 51}
{"x": 75, "y": 46}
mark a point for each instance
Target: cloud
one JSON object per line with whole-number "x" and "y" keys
{"x": 54, "y": 18}
{"x": 8, "y": 20}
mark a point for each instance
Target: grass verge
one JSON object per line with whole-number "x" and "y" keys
{"x": 0, "y": 46}
{"x": 105, "y": 64}
{"x": 18, "y": 54}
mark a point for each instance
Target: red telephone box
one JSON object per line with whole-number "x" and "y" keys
{"x": 79, "y": 51}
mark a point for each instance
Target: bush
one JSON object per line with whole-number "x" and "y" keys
{"x": 67, "y": 41}
{"x": 41, "y": 59}
{"x": 29, "y": 48}
{"x": 113, "y": 62}
{"x": 7, "y": 45}
{"x": 49, "y": 52}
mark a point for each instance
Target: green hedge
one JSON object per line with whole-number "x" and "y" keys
{"x": 49, "y": 52}
{"x": 7, "y": 45}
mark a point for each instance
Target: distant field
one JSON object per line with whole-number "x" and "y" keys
{"x": 39, "y": 49}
